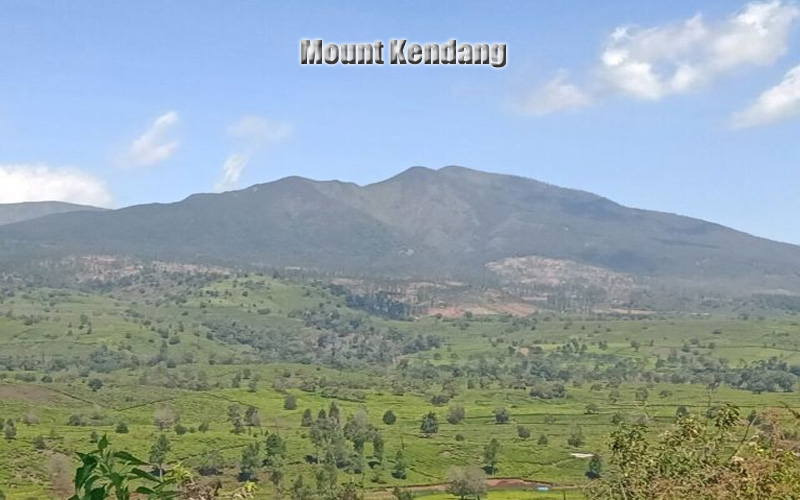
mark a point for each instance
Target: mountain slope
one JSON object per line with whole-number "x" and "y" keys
{"x": 18, "y": 212}
{"x": 448, "y": 222}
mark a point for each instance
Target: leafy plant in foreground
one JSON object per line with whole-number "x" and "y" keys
{"x": 105, "y": 474}
{"x": 715, "y": 459}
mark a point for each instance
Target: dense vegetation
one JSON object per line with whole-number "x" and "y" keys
{"x": 216, "y": 380}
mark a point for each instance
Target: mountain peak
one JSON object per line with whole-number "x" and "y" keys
{"x": 456, "y": 220}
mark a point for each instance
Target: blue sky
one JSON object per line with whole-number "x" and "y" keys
{"x": 685, "y": 107}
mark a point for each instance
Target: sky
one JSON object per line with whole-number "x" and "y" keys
{"x": 687, "y": 107}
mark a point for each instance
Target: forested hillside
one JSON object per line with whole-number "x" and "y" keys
{"x": 449, "y": 223}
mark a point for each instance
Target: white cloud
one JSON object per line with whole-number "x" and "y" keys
{"x": 156, "y": 144}
{"x": 20, "y": 183}
{"x": 252, "y": 134}
{"x": 777, "y": 103}
{"x": 556, "y": 95}
{"x": 231, "y": 171}
{"x": 655, "y": 62}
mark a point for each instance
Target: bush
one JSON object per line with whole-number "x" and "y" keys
{"x": 456, "y": 414}
{"x": 389, "y": 418}
{"x": 76, "y": 420}
{"x": 501, "y": 416}
{"x": 39, "y": 443}
{"x": 694, "y": 460}
{"x": 575, "y": 438}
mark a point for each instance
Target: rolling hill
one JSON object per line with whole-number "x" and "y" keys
{"x": 18, "y": 212}
{"x": 451, "y": 222}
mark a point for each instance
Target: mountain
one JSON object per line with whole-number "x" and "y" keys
{"x": 451, "y": 222}
{"x": 18, "y": 212}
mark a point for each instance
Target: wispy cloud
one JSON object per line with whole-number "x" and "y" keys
{"x": 156, "y": 144}
{"x": 39, "y": 182}
{"x": 775, "y": 104}
{"x": 251, "y": 134}
{"x": 231, "y": 171}
{"x": 655, "y": 62}
{"x": 556, "y": 95}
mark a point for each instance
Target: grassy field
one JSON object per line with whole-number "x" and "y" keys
{"x": 182, "y": 324}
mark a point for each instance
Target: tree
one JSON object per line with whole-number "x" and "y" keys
{"x": 389, "y": 417}
{"x": 327, "y": 481}
{"x": 235, "y": 418}
{"x": 466, "y": 482}
{"x": 299, "y": 490}
{"x": 251, "y": 417}
{"x": 76, "y": 420}
{"x": 501, "y": 416}
{"x": 276, "y": 478}
{"x": 275, "y": 447}
{"x": 642, "y": 394}
{"x": 523, "y": 432}
{"x": 307, "y": 419}
{"x": 377, "y": 447}
{"x": 122, "y": 428}
{"x": 456, "y": 414}
{"x": 159, "y": 451}
{"x": 333, "y": 412}
{"x": 39, "y": 443}
{"x": 30, "y": 418}
{"x": 575, "y": 438}
{"x": 211, "y": 463}
{"x": 290, "y": 402}
{"x": 542, "y": 441}
{"x": 595, "y": 469}
{"x": 400, "y": 465}
{"x": 491, "y": 454}
{"x": 358, "y": 430}
{"x": 10, "y": 431}
{"x": 249, "y": 464}
{"x": 252, "y": 385}
{"x": 164, "y": 418}
{"x": 592, "y": 409}
{"x": 95, "y": 384}
{"x": 429, "y": 425}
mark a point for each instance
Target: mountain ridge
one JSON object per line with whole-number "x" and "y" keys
{"x": 11, "y": 213}
{"x": 447, "y": 222}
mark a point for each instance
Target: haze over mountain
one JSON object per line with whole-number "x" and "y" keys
{"x": 450, "y": 222}
{"x": 18, "y": 212}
